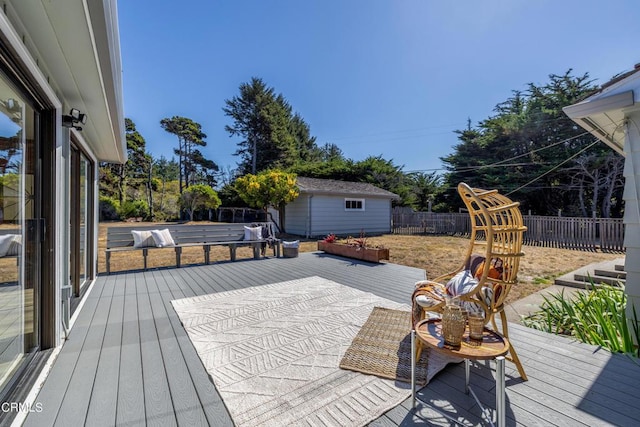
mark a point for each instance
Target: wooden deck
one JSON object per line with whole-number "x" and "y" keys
{"x": 129, "y": 362}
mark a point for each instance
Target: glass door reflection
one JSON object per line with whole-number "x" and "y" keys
{"x": 17, "y": 179}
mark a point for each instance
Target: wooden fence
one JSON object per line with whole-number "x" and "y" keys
{"x": 605, "y": 234}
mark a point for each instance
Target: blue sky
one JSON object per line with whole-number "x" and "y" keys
{"x": 376, "y": 77}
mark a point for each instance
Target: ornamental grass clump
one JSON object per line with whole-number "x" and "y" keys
{"x": 596, "y": 316}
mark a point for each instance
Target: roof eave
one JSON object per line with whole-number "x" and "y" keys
{"x": 347, "y": 194}
{"x": 77, "y": 47}
{"x": 603, "y": 116}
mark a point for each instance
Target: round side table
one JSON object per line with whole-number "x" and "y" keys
{"x": 492, "y": 347}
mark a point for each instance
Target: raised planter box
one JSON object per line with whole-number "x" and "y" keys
{"x": 365, "y": 254}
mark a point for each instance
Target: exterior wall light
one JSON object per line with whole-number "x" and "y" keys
{"x": 74, "y": 117}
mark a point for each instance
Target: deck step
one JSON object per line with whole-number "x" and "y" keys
{"x": 609, "y": 272}
{"x": 620, "y": 275}
{"x": 582, "y": 283}
{"x": 570, "y": 283}
{"x": 597, "y": 279}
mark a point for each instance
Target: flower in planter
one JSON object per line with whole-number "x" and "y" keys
{"x": 358, "y": 243}
{"x": 331, "y": 238}
{"x": 361, "y": 242}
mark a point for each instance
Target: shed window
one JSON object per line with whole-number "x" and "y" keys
{"x": 353, "y": 204}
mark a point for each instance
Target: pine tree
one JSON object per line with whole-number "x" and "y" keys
{"x": 272, "y": 135}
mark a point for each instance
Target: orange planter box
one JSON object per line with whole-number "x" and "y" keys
{"x": 349, "y": 251}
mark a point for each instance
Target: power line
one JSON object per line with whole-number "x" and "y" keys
{"x": 502, "y": 162}
{"x": 536, "y": 150}
{"x": 555, "y": 167}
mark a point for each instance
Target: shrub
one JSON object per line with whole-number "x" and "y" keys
{"x": 134, "y": 209}
{"x": 268, "y": 188}
{"x": 595, "y": 317}
{"x": 199, "y": 196}
{"x": 108, "y": 209}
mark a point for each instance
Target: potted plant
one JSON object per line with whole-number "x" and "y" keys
{"x": 353, "y": 248}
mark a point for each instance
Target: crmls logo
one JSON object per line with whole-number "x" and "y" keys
{"x": 21, "y": 407}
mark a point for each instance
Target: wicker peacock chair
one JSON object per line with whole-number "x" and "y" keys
{"x": 497, "y": 229}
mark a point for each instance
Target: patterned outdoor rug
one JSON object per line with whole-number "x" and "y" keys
{"x": 273, "y": 352}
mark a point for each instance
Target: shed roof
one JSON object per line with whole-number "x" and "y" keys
{"x": 335, "y": 187}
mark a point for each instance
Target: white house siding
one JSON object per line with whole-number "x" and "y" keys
{"x": 329, "y": 216}
{"x": 296, "y": 218}
{"x": 632, "y": 210}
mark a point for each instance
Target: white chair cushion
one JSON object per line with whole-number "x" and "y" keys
{"x": 426, "y": 302}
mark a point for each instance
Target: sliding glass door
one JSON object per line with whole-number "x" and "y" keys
{"x": 81, "y": 184}
{"x": 19, "y": 229}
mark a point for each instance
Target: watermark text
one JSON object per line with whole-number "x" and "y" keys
{"x": 20, "y": 407}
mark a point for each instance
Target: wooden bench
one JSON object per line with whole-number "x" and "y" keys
{"x": 120, "y": 239}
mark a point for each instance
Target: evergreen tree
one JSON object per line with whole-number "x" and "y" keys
{"x": 531, "y": 150}
{"x": 190, "y": 160}
{"x": 115, "y": 179}
{"x": 272, "y": 136}
{"x": 424, "y": 190}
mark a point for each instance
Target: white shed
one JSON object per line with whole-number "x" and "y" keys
{"x": 329, "y": 206}
{"x": 613, "y": 116}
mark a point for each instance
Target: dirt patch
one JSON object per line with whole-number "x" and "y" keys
{"x": 437, "y": 255}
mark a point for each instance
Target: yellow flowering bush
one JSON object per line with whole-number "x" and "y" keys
{"x": 269, "y": 188}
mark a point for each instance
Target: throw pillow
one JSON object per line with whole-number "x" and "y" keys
{"x": 461, "y": 283}
{"x": 495, "y": 269}
{"x": 5, "y": 243}
{"x": 162, "y": 238}
{"x": 252, "y": 233}
{"x": 142, "y": 239}
{"x": 15, "y": 248}
{"x": 474, "y": 263}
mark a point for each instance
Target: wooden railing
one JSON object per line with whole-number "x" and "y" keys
{"x": 605, "y": 234}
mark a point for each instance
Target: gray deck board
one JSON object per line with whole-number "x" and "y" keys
{"x": 210, "y": 401}
{"x": 54, "y": 390}
{"x": 130, "y": 408}
{"x": 157, "y": 402}
{"x": 73, "y": 411}
{"x": 129, "y": 361}
{"x": 104, "y": 400}
{"x": 185, "y": 399}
